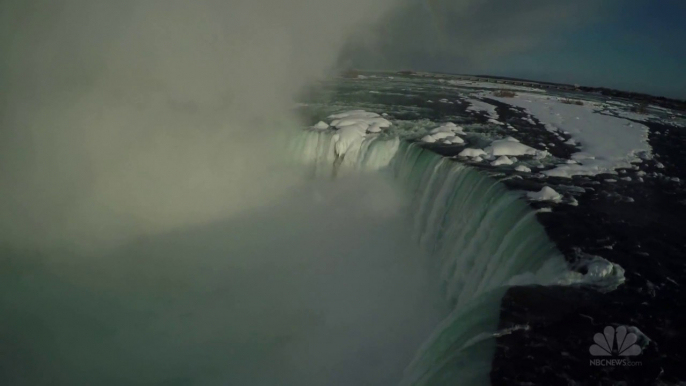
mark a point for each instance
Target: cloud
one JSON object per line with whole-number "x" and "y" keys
{"x": 468, "y": 35}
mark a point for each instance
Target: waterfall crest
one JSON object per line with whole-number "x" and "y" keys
{"x": 481, "y": 239}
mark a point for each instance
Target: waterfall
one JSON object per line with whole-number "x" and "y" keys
{"x": 316, "y": 149}
{"x": 480, "y": 234}
{"x": 481, "y": 239}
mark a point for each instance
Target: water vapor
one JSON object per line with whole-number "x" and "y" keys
{"x": 127, "y": 118}
{"x": 152, "y": 230}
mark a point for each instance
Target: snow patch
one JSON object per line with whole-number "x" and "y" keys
{"x": 608, "y": 142}
{"x": 510, "y": 147}
{"x": 469, "y": 152}
{"x": 503, "y": 160}
{"x": 353, "y": 127}
{"x": 321, "y": 125}
{"x": 454, "y": 140}
{"x": 448, "y": 128}
{"x": 477, "y": 106}
{"x": 545, "y": 194}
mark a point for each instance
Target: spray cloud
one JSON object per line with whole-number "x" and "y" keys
{"x": 127, "y": 118}
{"x": 151, "y": 232}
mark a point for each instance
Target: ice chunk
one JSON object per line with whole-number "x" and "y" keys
{"x": 354, "y": 114}
{"x": 545, "y": 194}
{"x": 469, "y": 152}
{"x": 442, "y": 135}
{"x": 361, "y": 119}
{"x": 346, "y": 137}
{"x": 353, "y": 127}
{"x": 448, "y": 128}
{"x": 321, "y": 125}
{"x": 523, "y": 169}
{"x": 428, "y": 139}
{"x": 455, "y": 139}
{"x": 502, "y": 160}
{"x": 508, "y": 147}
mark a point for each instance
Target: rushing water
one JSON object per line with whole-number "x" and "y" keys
{"x": 478, "y": 238}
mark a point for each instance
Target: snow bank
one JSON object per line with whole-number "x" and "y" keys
{"x": 353, "y": 126}
{"x": 359, "y": 117}
{"x": 545, "y": 194}
{"x": 607, "y": 142}
{"x": 477, "y": 105}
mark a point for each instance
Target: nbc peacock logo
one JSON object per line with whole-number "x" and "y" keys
{"x": 613, "y": 342}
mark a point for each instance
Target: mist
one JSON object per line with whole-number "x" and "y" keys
{"x": 139, "y": 117}
{"x": 153, "y": 230}
{"x": 325, "y": 287}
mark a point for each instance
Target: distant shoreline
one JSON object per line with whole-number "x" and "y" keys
{"x": 671, "y": 103}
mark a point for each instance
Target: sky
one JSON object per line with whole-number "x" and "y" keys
{"x": 632, "y": 45}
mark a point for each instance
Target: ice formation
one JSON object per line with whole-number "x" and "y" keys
{"x": 545, "y": 194}
{"x": 607, "y": 142}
